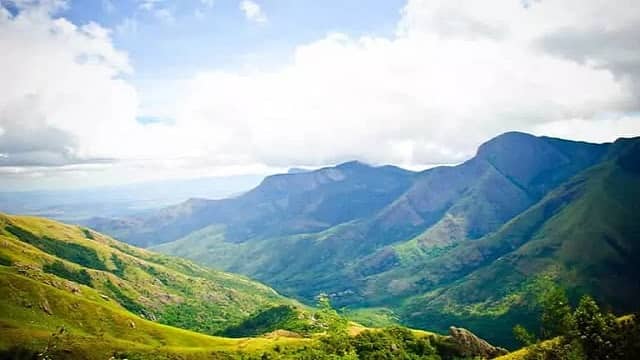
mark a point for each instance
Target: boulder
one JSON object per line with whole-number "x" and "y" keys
{"x": 469, "y": 345}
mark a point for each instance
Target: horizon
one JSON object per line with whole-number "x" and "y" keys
{"x": 276, "y": 171}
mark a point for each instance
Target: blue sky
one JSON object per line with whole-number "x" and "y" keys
{"x": 171, "y": 39}
{"x": 102, "y": 92}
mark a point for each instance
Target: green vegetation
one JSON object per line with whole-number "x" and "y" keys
{"x": 124, "y": 300}
{"x": 79, "y": 254}
{"x": 462, "y": 245}
{"x": 372, "y": 317}
{"x": 451, "y": 249}
{"x": 173, "y": 291}
{"x": 279, "y": 317}
{"x": 580, "y": 236}
{"x": 67, "y": 324}
{"x": 5, "y": 260}
{"x": 42, "y": 315}
{"x": 336, "y": 342}
{"x": 58, "y": 268}
{"x": 119, "y": 264}
{"x": 87, "y": 233}
{"x": 583, "y": 333}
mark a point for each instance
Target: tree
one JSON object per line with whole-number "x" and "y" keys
{"x": 556, "y": 318}
{"x": 336, "y": 339}
{"x": 596, "y": 331}
{"x": 523, "y": 335}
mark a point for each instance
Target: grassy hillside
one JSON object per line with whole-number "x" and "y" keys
{"x": 584, "y": 235}
{"x": 462, "y": 245}
{"x": 62, "y": 320}
{"x": 372, "y": 260}
{"x": 71, "y": 293}
{"x": 156, "y": 287}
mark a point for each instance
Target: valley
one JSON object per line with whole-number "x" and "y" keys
{"x": 458, "y": 245}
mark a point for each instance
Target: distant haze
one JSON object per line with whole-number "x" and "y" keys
{"x": 114, "y": 201}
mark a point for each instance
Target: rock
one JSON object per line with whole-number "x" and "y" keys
{"x": 469, "y": 345}
{"x": 105, "y": 297}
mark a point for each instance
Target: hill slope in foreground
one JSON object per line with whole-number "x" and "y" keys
{"x": 99, "y": 296}
{"x": 71, "y": 293}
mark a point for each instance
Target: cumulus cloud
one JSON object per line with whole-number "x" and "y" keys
{"x": 26, "y": 139}
{"x": 62, "y": 99}
{"x": 252, "y": 11}
{"x": 454, "y": 74}
{"x": 612, "y": 48}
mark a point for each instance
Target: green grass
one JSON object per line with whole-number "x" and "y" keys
{"x": 48, "y": 306}
{"x": 580, "y": 236}
{"x": 58, "y": 268}
{"x": 372, "y": 317}
{"x": 278, "y": 317}
{"x": 76, "y": 253}
{"x": 95, "y": 327}
{"x": 173, "y": 291}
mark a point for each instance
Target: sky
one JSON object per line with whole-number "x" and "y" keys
{"x": 102, "y": 92}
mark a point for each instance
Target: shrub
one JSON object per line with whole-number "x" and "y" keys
{"x": 59, "y": 269}
{"x": 72, "y": 252}
{"x": 119, "y": 264}
{"x": 5, "y": 260}
{"x": 123, "y": 299}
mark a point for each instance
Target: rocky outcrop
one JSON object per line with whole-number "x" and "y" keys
{"x": 469, "y": 345}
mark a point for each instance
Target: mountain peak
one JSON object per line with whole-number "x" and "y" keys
{"x": 505, "y": 141}
{"x": 353, "y": 164}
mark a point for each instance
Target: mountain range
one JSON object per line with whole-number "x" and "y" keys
{"x": 463, "y": 245}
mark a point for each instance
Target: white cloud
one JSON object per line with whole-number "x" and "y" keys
{"x": 453, "y": 75}
{"x": 252, "y": 11}
{"x": 62, "y": 98}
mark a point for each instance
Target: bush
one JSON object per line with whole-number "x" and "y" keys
{"x": 392, "y": 343}
{"x": 5, "y": 260}
{"x": 72, "y": 252}
{"x": 586, "y": 334}
{"x": 59, "y": 269}
{"x": 124, "y": 300}
{"x": 285, "y": 317}
{"x": 119, "y": 264}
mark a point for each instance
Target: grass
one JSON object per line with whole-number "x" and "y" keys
{"x": 372, "y": 317}
{"x": 47, "y": 305}
{"x": 173, "y": 291}
{"x": 99, "y": 327}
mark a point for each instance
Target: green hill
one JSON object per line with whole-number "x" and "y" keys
{"x": 449, "y": 245}
{"x": 442, "y": 208}
{"x": 583, "y": 235}
{"x": 59, "y": 319}
{"x": 71, "y": 293}
{"x": 81, "y": 264}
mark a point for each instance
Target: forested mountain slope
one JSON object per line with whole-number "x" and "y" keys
{"x": 449, "y": 245}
